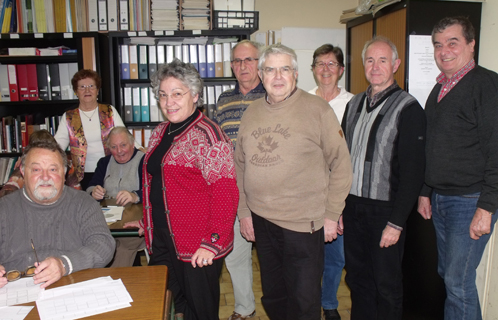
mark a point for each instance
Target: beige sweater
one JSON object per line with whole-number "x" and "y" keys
{"x": 293, "y": 164}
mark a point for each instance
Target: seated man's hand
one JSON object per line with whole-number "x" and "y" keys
{"x": 49, "y": 271}
{"x": 98, "y": 193}
{"x": 124, "y": 197}
{"x": 3, "y": 280}
{"x": 134, "y": 224}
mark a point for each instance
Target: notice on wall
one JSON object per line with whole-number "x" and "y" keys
{"x": 422, "y": 69}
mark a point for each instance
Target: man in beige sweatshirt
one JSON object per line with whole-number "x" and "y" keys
{"x": 294, "y": 173}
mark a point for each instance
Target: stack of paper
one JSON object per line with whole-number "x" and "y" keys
{"x": 112, "y": 213}
{"x": 195, "y": 14}
{"x": 165, "y": 15}
{"x": 83, "y": 299}
{"x": 21, "y": 291}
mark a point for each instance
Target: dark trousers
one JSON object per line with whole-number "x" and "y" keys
{"x": 196, "y": 291}
{"x": 291, "y": 266}
{"x": 373, "y": 273}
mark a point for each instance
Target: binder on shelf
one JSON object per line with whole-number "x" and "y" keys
{"x": 65, "y": 84}
{"x": 125, "y": 62}
{"x": 102, "y": 9}
{"x": 170, "y": 53}
{"x": 22, "y": 82}
{"x": 227, "y": 69}
{"x": 137, "y": 133}
{"x": 136, "y": 104}
{"x": 55, "y": 83}
{"x": 123, "y": 15}
{"x": 147, "y": 133}
{"x": 211, "y": 72}
{"x": 153, "y": 108}
{"x": 112, "y": 15}
{"x": 32, "y": 82}
{"x": 128, "y": 105}
{"x": 4, "y": 83}
{"x": 73, "y": 68}
{"x": 161, "y": 56}
{"x": 133, "y": 61}
{"x": 13, "y": 88}
{"x": 185, "y": 53}
{"x": 218, "y": 60}
{"x": 93, "y": 16}
{"x": 194, "y": 58}
{"x": 152, "y": 59}
{"x": 144, "y": 105}
{"x": 210, "y": 102}
{"x": 178, "y": 53}
{"x": 202, "y": 60}
{"x": 143, "y": 69}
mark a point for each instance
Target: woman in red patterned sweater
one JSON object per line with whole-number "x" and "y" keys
{"x": 190, "y": 194}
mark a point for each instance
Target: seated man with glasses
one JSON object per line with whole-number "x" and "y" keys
{"x": 293, "y": 173}
{"x": 66, "y": 225}
{"x": 229, "y": 110}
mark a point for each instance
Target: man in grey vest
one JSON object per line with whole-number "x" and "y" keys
{"x": 385, "y": 132}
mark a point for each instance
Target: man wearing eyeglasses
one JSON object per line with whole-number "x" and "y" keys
{"x": 231, "y": 105}
{"x": 385, "y": 132}
{"x": 293, "y": 174}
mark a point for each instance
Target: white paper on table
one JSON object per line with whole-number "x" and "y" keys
{"x": 83, "y": 299}
{"x": 112, "y": 213}
{"x": 14, "y": 313}
{"x": 21, "y": 291}
{"x": 422, "y": 70}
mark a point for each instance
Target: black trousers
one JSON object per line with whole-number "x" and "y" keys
{"x": 373, "y": 273}
{"x": 196, "y": 291}
{"x": 291, "y": 266}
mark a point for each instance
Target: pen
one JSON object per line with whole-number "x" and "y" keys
{"x": 33, "y": 246}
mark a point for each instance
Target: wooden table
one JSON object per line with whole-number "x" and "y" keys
{"x": 131, "y": 212}
{"x": 146, "y": 285}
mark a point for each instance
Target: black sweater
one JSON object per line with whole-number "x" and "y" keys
{"x": 462, "y": 139}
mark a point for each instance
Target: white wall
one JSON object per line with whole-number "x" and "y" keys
{"x": 489, "y": 30}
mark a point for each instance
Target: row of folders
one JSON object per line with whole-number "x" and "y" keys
{"x": 32, "y": 82}
{"x": 141, "y": 61}
{"x": 40, "y": 16}
{"x": 140, "y": 104}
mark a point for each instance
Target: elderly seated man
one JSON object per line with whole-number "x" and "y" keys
{"x": 66, "y": 225}
{"x": 119, "y": 176}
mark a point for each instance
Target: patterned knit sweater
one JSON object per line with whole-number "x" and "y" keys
{"x": 199, "y": 189}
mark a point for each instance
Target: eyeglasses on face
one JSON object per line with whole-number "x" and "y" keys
{"x": 284, "y": 71}
{"x": 175, "y": 96}
{"x": 330, "y": 65}
{"x": 238, "y": 62}
{"x": 90, "y": 87}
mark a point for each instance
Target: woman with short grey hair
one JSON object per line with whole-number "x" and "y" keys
{"x": 190, "y": 195}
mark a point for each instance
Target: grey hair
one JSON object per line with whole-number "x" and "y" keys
{"x": 185, "y": 72}
{"x": 383, "y": 40}
{"x": 256, "y": 45}
{"x": 277, "y": 48}
{"x": 48, "y": 144}
{"x": 118, "y": 130}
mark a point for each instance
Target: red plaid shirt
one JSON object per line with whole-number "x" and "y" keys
{"x": 448, "y": 84}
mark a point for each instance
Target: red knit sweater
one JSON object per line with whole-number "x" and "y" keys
{"x": 199, "y": 189}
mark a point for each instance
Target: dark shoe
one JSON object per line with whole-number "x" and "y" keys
{"x": 331, "y": 315}
{"x": 238, "y": 316}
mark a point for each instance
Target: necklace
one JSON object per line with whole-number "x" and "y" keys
{"x": 89, "y": 117}
{"x": 169, "y": 127}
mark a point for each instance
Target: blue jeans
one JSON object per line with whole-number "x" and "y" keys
{"x": 458, "y": 254}
{"x": 332, "y": 272}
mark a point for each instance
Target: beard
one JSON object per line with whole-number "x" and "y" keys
{"x": 45, "y": 194}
